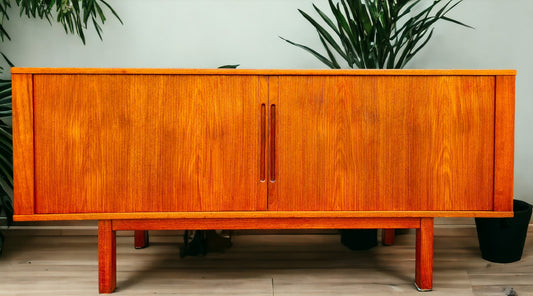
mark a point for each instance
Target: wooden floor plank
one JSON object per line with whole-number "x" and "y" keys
{"x": 259, "y": 265}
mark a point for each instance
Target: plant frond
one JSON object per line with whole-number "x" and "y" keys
{"x": 376, "y": 34}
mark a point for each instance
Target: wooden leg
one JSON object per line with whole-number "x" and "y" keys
{"x": 387, "y": 237}
{"x": 141, "y": 239}
{"x": 107, "y": 259}
{"x": 424, "y": 255}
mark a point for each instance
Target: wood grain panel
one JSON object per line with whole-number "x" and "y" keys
{"x": 265, "y": 223}
{"x": 261, "y": 214}
{"x": 504, "y": 145}
{"x": 453, "y": 126}
{"x": 147, "y": 143}
{"x": 384, "y": 143}
{"x": 23, "y": 165}
{"x": 266, "y": 72}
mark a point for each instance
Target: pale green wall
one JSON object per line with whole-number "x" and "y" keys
{"x": 209, "y": 33}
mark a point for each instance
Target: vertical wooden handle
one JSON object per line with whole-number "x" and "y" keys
{"x": 262, "y": 160}
{"x": 272, "y": 143}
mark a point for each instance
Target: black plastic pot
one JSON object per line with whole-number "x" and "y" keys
{"x": 359, "y": 239}
{"x": 501, "y": 240}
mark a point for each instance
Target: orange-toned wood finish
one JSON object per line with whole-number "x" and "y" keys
{"x": 425, "y": 136}
{"x": 423, "y": 226}
{"x": 388, "y": 236}
{"x": 135, "y": 141}
{"x": 23, "y": 175}
{"x": 145, "y": 143}
{"x": 424, "y": 255}
{"x": 142, "y": 149}
{"x": 263, "y": 72}
{"x": 107, "y": 257}
{"x": 264, "y": 223}
{"x": 504, "y": 143}
{"x": 262, "y": 214}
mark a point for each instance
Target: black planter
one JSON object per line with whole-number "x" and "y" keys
{"x": 359, "y": 239}
{"x": 502, "y": 240}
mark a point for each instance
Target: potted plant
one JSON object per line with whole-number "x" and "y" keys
{"x": 502, "y": 240}
{"x": 374, "y": 34}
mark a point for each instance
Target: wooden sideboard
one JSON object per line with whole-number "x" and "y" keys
{"x": 143, "y": 149}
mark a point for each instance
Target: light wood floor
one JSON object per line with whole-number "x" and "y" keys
{"x": 259, "y": 265}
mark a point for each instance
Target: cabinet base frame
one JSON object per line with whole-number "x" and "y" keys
{"x": 107, "y": 237}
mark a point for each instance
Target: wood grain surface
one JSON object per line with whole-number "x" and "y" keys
{"x": 504, "y": 143}
{"x": 265, "y": 223}
{"x": 208, "y": 149}
{"x": 135, "y": 144}
{"x": 261, "y": 214}
{"x": 383, "y": 143}
{"x": 146, "y": 143}
{"x": 259, "y": 265}
{"x": 424, "y": 255}
{"x": 265, "y": 72}
{"x": 23, "y": 162}
{"x": 107, "y": 257}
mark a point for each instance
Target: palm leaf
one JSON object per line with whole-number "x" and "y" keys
{"x": 6, "y": 152}
{"x": 73, "y": 15}
{"x": 313, "y": 52}
{"x": 376, "y": 34}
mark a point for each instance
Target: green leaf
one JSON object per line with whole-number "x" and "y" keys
{"x": 456, "y": 22}
{"x": 313, "y": 52}
{"x": 8, "y": 62}
{"x": 89, "y": 8}
{"x": 330, "y": 54}
{"x": 112, "y": 11}
{"x": 97, "y": 28}
{"x": 3, "y": 33}
{"x": 100, "y": 13}
{"x": 321, "y": 31}
{"x": 327, "y": 19}
{"x": 229, "y": 66}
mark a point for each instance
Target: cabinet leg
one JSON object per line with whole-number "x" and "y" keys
{"x": 107, "y": 259}
{"x": 424, "y": 255}
{"x": 141, "y": 239}
{"x": 387, "y": 237}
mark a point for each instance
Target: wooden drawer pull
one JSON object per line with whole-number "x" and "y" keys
{"x": 262, "y": 160}
{"x": 272, "y": 143}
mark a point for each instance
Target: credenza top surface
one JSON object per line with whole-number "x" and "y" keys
{"x": 287, "y": 72}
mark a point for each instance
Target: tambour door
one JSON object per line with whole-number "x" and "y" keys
{"x": 382, "y": 143}
{"x": 146, "y": 143}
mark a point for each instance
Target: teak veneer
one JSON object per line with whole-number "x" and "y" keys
{"x": 141, "y": 149}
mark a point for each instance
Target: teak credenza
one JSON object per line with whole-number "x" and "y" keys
{"x": 143, "y": 149}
